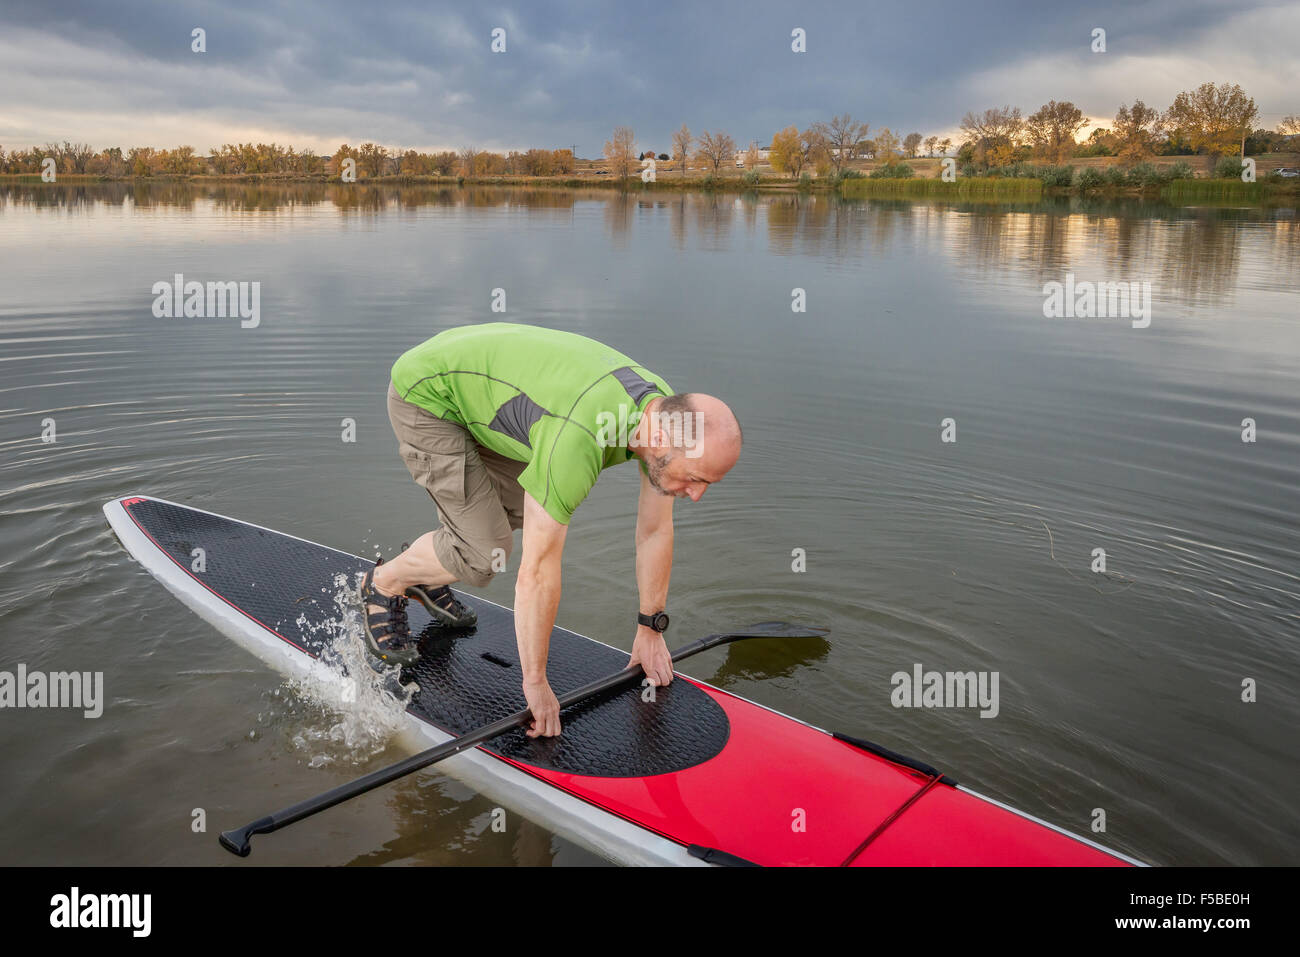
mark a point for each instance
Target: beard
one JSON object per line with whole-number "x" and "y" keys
{"x": 655, "y": 471}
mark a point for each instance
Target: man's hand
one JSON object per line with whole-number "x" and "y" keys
{"x": 545, "y": 708}
{"x": 650, "y": 651}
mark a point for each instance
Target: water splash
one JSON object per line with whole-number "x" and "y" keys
{"x": 349, "y": 709}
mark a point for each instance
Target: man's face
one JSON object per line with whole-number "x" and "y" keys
{"x": 676, "y": 475}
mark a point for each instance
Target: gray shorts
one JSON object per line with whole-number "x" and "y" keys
{"x": 475, "y": 490}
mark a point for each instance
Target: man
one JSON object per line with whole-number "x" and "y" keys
{"x": 508, "y": 426}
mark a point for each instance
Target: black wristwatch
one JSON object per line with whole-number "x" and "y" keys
{"x": 658, "y": 621}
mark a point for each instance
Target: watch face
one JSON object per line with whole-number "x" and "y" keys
{"x": 661, "y": 622}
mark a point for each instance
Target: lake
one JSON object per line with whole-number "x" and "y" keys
{"x": 931, "y": 466}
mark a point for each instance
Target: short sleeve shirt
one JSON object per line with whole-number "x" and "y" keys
{"x": 563, "y": 403}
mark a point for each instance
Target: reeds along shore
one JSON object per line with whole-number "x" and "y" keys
{"x": 1029, "y": 185}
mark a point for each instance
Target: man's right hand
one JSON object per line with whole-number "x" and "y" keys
{"x": 545, "y": 708}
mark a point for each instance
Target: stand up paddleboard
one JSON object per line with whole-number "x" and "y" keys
{"x": 700, "y": 776}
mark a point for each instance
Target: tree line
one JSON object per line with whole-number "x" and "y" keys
{"x": 1212, "y": 120}
{"x": 371, "y": 160}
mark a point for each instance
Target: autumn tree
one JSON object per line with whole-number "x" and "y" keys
{"x": 715, "y": 149}
{"x": 1138, "y": 130}
{"x": 180, "y": 161}
{"x": 140, "y": 160}
{"x": 620, "y": 152}
{"x": 77, "y": 155}
{"x": 443, "y": 163}
{"x": 945, "y": 145}
{"x": 1213, "y": 119}
{"x": 344, "y": 152}
{"x": 786, "y": 155}
{"x": 1052, "y": 130}
{"x": 816, "y": 150}
{"x": 911, "y": 143}
{"x": 751, "y": 156}
{"x": 372, "y": 159}
{"x": 412, "y": 163}
{"x": 1290, "y": 125}
{"x": 1100, "y": 142}
{"x": 840, "y": 136}
{"x": 994, "y": 135}
{"x": 930, "y": 143}
{"x": 886, "y": 145}
{"x": 682, "y": 141}
{"x": 466, "y": 159}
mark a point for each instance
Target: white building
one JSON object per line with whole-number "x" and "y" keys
{"x": 764, "y": 153}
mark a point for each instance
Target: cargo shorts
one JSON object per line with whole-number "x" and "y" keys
{"x": 475, "y": 490}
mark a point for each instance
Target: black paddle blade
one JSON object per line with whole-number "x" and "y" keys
{"x": 236, "y": 842}
{"x": 781, "y": 629}
{"x": 240, "y": 840}
{"x": 764, "y": 629}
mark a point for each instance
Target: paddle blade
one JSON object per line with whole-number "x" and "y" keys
{"x": 236, "y": 842}
{"x": 781, "y": 629}
{"x": 240, "y": 840}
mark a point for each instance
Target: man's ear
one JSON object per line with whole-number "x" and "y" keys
{"x": 655, "y": 436}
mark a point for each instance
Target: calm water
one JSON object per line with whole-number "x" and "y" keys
{"x": 1119, "y": 691}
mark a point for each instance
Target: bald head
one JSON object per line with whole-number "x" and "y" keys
{"x": 711, "y": 434}
{"x": 693, "y": 440}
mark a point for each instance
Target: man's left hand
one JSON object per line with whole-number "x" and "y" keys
{"x": 650, "y": 651}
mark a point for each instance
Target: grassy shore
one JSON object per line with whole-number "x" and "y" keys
{"x": 1012, "y": 190}
{"x": 926, "y": 184}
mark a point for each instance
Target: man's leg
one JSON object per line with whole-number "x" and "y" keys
{"x": 505, "y": 473}
{"x": 443, "y": 458}
{"x": 418, "y": 565}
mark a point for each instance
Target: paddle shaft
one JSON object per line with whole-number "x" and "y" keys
{"x": 238, "y": 841}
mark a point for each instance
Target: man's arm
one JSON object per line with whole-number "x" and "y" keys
{"x": 537, "y": 596}
{"x": 654, "y": 565}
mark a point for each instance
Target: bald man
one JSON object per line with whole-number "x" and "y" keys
{"x": 508, "y": 426}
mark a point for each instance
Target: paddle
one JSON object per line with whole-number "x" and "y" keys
{"x": 239, "y": 841}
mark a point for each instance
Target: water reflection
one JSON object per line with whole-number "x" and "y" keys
{"x": 1126, "y": 240}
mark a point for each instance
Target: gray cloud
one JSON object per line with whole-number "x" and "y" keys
{"x": 421, "y": 74}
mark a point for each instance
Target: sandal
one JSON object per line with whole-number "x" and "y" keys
{"x": 443, "y": 605}
{"x": 387, "y": 632}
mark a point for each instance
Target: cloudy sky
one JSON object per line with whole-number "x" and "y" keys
{"x": 415, "y": 73}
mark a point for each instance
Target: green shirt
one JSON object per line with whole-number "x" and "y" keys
{"x": 561, "y": 402}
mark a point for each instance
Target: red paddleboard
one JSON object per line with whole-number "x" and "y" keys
{"x": 698, "y": 776}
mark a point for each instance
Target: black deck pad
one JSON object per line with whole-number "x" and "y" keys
{"x": 467, "y": 677}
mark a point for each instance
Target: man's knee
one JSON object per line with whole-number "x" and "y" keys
{"x": 482, "y": 564}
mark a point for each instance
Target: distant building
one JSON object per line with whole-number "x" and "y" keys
{"x": 764, "y": 155}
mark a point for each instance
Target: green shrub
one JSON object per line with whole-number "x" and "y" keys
{"x": 805, "y": 181}
{"x": 1056, "y": 175}
{"x": 1228, "y": 167}
{"x": 1144, "y": 174}
{"x": 750, "y": 178}
{"x": 1179, "y": 170}
{"x": 892, "y": 171}
{"x": 1089, "y": 178}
